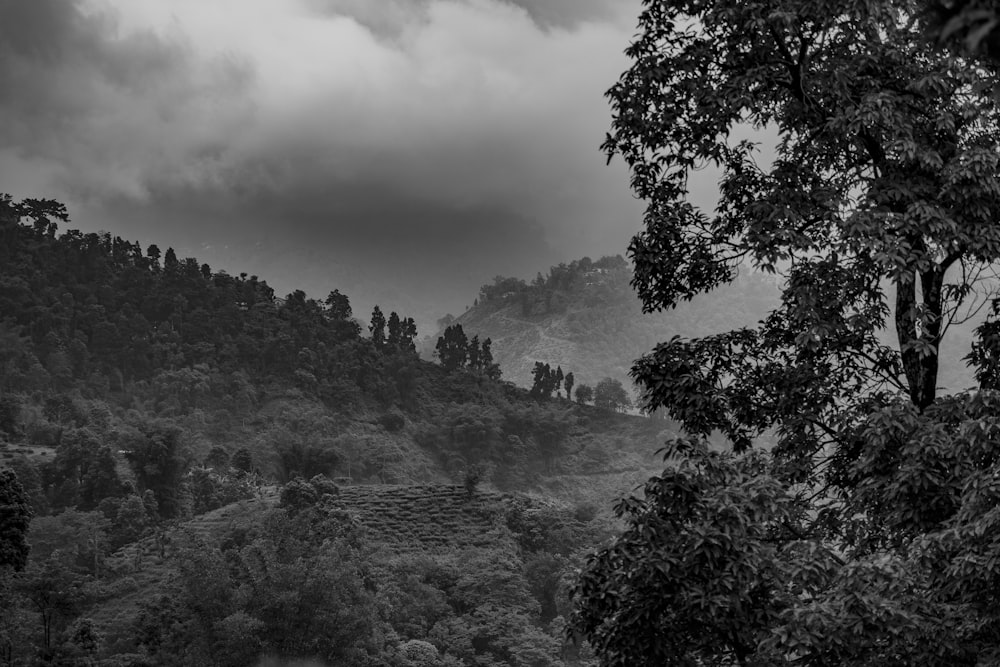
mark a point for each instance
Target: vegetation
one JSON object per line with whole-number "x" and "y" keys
{"x": 864, "y": 535}
{"x": 176, "y": 433}
{"x": 585, "y": 316}
{"x": 611, "y": 395}
{"x": 456, "y": 351}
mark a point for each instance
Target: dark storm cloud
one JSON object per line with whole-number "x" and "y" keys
{"x": 412, "y": 255}
{"x": 460, "y": 132}
{"x": 89, "y": 110}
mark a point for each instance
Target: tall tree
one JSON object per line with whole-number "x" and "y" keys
{"x": 409, "y": 335}
{"x": 170, "y": 262}
{"x": 395, "y": 331}
{"x": 338, "y": 306}
{"x": 490, "y": 368}
{"x": 377, "y": 328}
{"x": 885, "y": 171}
{"x": 159, "y": 459}
{"x": 15, "y": 516}
{"x": 475, "y": 354}
{"x": 877, "y": 210}
{"x": 453, "y": 347}
{"x": 542, "y": 380}
{"x": 610, "y": 394}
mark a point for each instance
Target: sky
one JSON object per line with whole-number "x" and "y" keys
{"x": 402, "y": 151}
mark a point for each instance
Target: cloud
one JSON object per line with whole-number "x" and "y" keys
{"x": 569, "y": 13}
{"x": 106, "y": 111}
{"x": 436, "y": 123}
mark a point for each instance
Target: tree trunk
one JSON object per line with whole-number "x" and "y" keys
{"x": 920, "y": 366}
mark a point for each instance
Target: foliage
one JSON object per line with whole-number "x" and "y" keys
{"x": 159, "y": 460}
{"x": 211, "y": 488}
{"x": 242, "y": 460}
{"x": 298, "y": 494}
{"x": 377, "y": 328}
{"x": 588, "y": 318}
{"x": 545, "y": 380}
{"x": 967, "y": 26}
{"x": 568, "y": 385}
{"x": 861, "y": 538}
{"x": 15, "y": 516}
{"x": 455, "y": 350}
{"x": 148, "y": 399}
{"x": 338, "y": 306}
{"x": 611, "y": 395}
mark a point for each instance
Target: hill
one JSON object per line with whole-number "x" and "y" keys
{"x": 357, "y": 575}
{"x": 150, "y": 407}
{"x": 585, "y": 318}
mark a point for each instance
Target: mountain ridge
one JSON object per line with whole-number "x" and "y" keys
{"x": 586, "y": 318}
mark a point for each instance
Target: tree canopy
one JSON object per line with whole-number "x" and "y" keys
{"x": 851, "y": 541}
{"x": 610, "y": 394}
{"x": 15, "y": 516}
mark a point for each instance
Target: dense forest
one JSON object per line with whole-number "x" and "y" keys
{"x": 184, "y": 454}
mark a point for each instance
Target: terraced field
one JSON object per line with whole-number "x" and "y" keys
{"x": 426, "y": 517}
{"x": 430, "y": 519}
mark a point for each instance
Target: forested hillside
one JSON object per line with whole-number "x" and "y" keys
{"x": 585, "y": 318}
{"x": 143, "y": 394}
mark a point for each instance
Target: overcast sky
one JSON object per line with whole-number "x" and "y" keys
{"x": 403, "y": 151}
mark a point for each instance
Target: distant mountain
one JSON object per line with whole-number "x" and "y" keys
{"x": 585, "y": 318}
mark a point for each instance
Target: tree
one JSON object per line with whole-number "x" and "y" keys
{"x": 395, "y": 329}
{"x": 568, "y": 385}
{"x": 10, "y": 411}
{"x": 377, "y": 328}
{"x": 611, "y": 395}
{"x": 218, "y": 458}
{"x": 453, "y": 348}
{"x": 542, "y": 380}
{"x": 153, "y": 254}
{"x": 159, "y": 460}
{"x": 885, "y": 143}
{"x": 475, "y": 354}
{"x": 719, "y": 513}
{"x": 875, "y": 210}
{"x": 338, "y": 306}
{"x": 242, "y": 460}
{"x": 490, "y": 369}
{"x": 170, "y": 261}
{"x": 584, "y": 394}
{"x": 55, "y": 591}
{"x": 409, "y": 335}
{"x": 15, "y": 516}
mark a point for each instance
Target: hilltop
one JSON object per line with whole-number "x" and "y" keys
{"x": 585, "y": 318}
